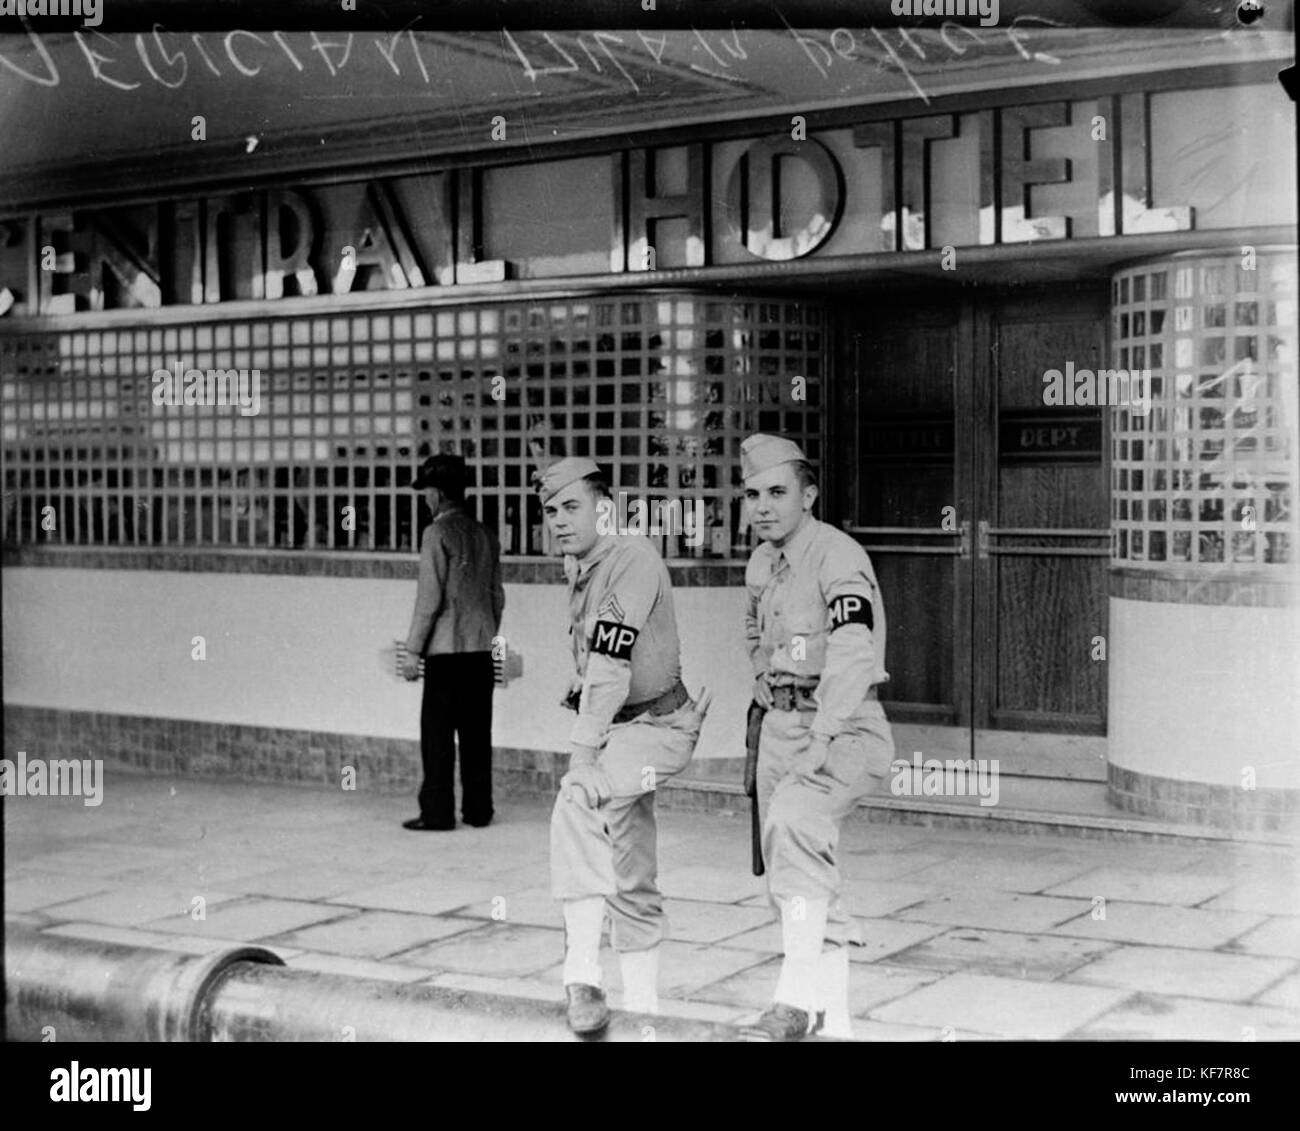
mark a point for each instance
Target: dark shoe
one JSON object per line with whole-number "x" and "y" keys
{"x": 420, "y": 825}
{"x": 477, "y": 824}
{"x": 779, "y": 1022}
{"x": 588, "y": 1012}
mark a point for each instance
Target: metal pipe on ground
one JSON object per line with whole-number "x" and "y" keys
{"x": 97, "y": 991}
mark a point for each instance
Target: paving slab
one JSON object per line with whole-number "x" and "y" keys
{"x": 157, "y": 940}
{"x": 867, "y": 1030}
{"x": 710, "y": 884}
{"x": 887, "y": 864}
{"x": 1029, "y": 873}
{"x": 1158, "y": 925}
{"x": 428, "y": 894}
{"x": 697, "y": 921}
{"x": 344, "y": 966}
{"x": 134, "y": 904}
{"x": 497, "y": 949}
{"x": 1285, "y": 995}
{"x": 252, "y": 919}
{"x": 1039, "y": 958}
{"x": 314, "y": 882}
{"x": 49, "y": 889}
{"x": 101, "y": 859}
{"x": 374, "y": 934}
{"x": 532, "y": 907}
{"x": 1152, "y": 1018}
{"x": 1279, "y": 935}
{"x": 683, "y": 968}
{"x": 994, "y": 910}
{"x": 869, "y": 986}
{"x": 876, "y": 898}
{"x": 1008, "y": 1007}
{"x": 1184, "y": 973}
{"x": 1141, "y": 886}
{"x": 1269, "y": 892}
{"x": 884, "y": 938}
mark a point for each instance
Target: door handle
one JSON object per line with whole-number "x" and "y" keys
{"x": 983, "y": 539}
{"x": 963, "y": 551}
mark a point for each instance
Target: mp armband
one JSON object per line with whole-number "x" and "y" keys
{"x": 613, "y": 639}
{"x": 851, "y": 608}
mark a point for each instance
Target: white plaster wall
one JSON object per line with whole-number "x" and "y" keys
{"x": 1197, "y": 692}
{"x": 303, "y": 652}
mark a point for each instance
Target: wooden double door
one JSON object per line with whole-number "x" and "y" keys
{"x": 984, "y": 510}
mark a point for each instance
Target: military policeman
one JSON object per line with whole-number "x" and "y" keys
{"x": 815, "y": 626}
{"x": 636, "y": 726}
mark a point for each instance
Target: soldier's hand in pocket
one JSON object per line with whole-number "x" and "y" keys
{"x": 586, "y": 782}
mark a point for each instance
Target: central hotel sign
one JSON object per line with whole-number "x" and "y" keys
{"x": 771, "y": 198}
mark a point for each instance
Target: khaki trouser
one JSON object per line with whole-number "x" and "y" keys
{"x": 611, "y": 851}
{"x": 801, "y": 819}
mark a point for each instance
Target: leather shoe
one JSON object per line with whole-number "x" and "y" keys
{"x": 478, "y": 824}
{"x": 587, "y": 1011}
{"x": 420, "y": 825}
{"x": 780, "y": 1022}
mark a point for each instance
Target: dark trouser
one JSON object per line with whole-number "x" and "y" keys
{"x": 457, "y": 704}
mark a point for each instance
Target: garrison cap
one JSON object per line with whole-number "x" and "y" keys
{"x": 441, "y": 471}
{"x": 759, "y": 452}
{"x": 553, "y": 479}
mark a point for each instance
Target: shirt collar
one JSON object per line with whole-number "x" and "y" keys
{"x": 578, "y": 569}
{"x": 799, "y": 544}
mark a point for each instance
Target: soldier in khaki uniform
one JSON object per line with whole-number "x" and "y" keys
{"x": 816, "y": 631}
{"x": 636, "y": 726}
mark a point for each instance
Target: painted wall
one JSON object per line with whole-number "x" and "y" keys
{"x": 1197, "y": 692}
{"x": 304, "y": 652}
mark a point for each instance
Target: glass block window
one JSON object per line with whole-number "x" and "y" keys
{"x": 315, "y": 445}
{"x": 1208, "y": 476}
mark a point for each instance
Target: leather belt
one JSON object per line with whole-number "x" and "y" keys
{"x": 788, "y": 697}
{"x": 666, "y": 704}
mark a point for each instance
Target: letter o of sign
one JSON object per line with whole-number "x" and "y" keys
{"x": 755, "y": 178}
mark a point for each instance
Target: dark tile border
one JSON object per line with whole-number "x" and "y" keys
{"x": 308, "y": 563}
{"x": 234, "y": 750}
{"x": 1201, "y": 803}
{"x": 1251, "y": 590}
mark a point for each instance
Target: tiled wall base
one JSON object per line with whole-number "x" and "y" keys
{"x": 218, "y": 750}
{"x": 1199, "y": 803}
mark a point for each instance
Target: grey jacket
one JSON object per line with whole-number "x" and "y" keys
{"x": 460, "y": 597}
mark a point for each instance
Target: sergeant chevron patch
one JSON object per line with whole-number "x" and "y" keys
{"x": 611, "y": 610}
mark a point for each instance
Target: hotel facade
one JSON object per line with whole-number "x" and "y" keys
{"x": 897, "y": 248}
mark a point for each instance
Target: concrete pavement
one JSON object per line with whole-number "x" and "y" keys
{"x": 970, "y": 935}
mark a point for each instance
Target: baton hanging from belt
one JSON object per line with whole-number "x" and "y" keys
{"x": 753, "y": 728}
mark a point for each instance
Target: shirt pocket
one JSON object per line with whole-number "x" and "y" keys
{"x": 803, "y": 642}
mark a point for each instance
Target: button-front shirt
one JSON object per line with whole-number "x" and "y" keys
{"x": 816, "y": 617}
{"x": 460, "y": 597}
{"x": 625, "y": 645}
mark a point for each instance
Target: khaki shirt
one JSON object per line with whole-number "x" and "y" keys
{"x": 816, "y": 616}
{"x": 460, "y": 597}
{"x": 625, "y": 645}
